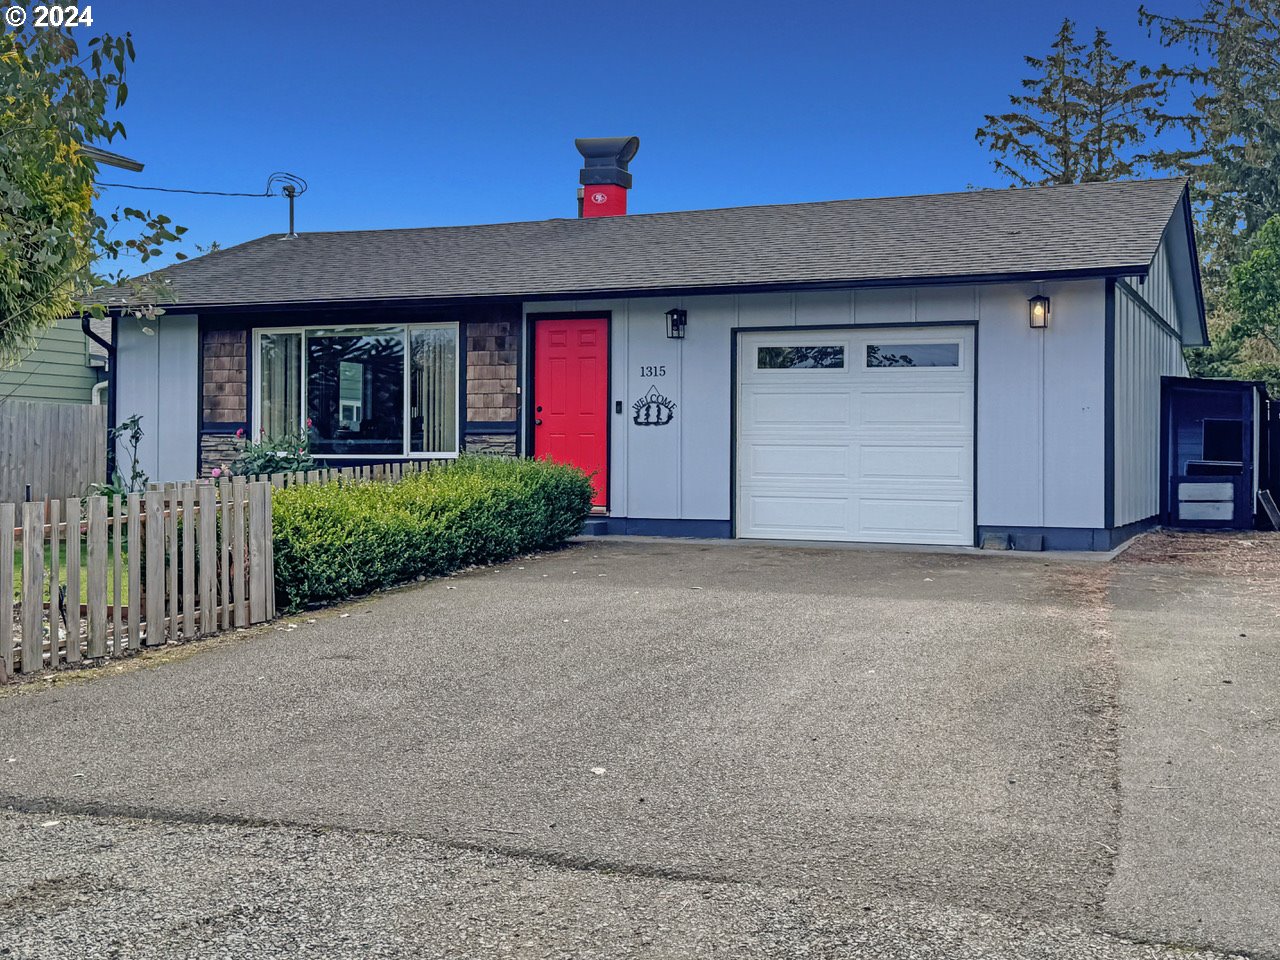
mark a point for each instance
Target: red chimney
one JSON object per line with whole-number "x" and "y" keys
{"x": 604, "y": 178}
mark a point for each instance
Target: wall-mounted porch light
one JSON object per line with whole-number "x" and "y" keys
{"x": 1039, "y": 311}
{"x": 677, "y": 320}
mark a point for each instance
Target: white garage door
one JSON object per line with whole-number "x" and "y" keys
{"x": 861, "y": 435}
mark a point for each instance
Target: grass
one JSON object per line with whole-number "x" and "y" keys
{"x": 84, "y": 572}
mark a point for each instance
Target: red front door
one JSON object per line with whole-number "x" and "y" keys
{"x": 571, "y": 396}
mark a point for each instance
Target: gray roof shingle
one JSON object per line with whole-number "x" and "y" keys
{"x": 1081, "y": 228}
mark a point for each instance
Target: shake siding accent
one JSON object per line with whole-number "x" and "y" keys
{"x": 491, "y": 372}
{"x": 56, "y": 370}
{"x": 1144, "y": 351}
{"x": 224, "y": 363}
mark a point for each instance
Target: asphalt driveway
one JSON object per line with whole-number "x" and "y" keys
{"x": 942, "y": 730}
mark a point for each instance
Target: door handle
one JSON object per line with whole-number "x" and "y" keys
{"x": 537, "y": 422}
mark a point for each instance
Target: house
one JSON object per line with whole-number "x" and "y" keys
{"x": 969, "y": 368}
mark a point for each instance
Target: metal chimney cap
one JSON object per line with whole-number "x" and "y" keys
{"x": 606, "y": 159}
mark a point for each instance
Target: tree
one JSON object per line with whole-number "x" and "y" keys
{"x": 1084, "y": 116}
{"x": 1232, "y": 122}
{"x": 54, "y": 243}
{"x": 1253, "y": 297}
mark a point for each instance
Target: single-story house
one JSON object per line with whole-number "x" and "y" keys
{"x": 968, "y": 368}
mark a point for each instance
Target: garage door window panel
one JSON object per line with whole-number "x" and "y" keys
{"x": 805, "y": 357}
{"x": 913, "y": 355}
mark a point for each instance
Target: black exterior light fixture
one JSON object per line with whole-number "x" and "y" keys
{"x": 677, "y": 320}
{"x": 1039, "y": 311}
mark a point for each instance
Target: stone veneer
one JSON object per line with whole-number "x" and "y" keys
{"x": 218, "y": 449}
{"x": 496, "y": 444}
{"x": 491, "y": 372}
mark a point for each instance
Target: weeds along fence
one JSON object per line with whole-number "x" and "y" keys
{"x": 83, "y": 579}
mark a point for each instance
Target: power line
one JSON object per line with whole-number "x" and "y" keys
{"x": 278, "y": 179}
{"x": 203, "y": 193}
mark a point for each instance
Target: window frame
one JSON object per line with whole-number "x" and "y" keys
{"x": 406, "y": 336}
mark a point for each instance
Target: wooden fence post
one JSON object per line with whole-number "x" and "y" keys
{"x": 117, "y": 553}
{"x": 155, "y": 587}
{"x": 170, "y": 527}
{"x": 74, "y": 539}
{"x": 97, "y": 596}
{"x": 55, "y": 580}
{"x": 189, "y": 561}
{"x": 257, "y": 553}
{"x": 239, "y": 554}
{"x": 208, "y": 560}
{"x": 135, "y": 571}
{"x": 32, "y": 586}
{"x": 6, "y": 589}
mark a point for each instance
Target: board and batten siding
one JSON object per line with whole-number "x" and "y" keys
{"x": 1145, "y": 351}
{"x": 57, "y": 370}
{"x": 1040, "y": 394}
{"x": 159, "y": 374}
{"x": 1156, "y": 289}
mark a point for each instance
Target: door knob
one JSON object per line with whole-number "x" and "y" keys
{"x": 537, "y": 422}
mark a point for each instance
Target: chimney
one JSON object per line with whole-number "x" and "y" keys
{"x": 604, "y": 178}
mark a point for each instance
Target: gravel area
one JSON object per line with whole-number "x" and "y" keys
{"x": 96, "y": 888}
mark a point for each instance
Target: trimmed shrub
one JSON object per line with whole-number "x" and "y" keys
{"x": 337, "y": 540}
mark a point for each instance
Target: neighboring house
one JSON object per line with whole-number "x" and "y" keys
{"x": 64, "y": 365}
{"x": 859, "y": 370}
{"x": 61, "y": 368}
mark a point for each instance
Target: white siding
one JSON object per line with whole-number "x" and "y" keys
{"x": 1144, "y": 352}
{"x": 1040, "y": 394}
{"x": 1157, "y": 289}
{"x": 157, "y": 377}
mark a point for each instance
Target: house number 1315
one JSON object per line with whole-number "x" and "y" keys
{"x": 658, "y": 371}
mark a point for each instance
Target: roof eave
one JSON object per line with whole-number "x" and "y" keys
{"x": 1121, "y": 270}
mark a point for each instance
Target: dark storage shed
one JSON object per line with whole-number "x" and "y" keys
{"x": 1217, "y": 440}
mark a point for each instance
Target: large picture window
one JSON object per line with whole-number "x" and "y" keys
{"x": 361, "y": 391}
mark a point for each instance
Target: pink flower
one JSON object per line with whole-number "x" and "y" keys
{"x": 300, "y": 451}
{"x": 308, "y": 421}
{"x": 262, "y": 432}
{"x": 240, "y": 434}
{"x": 217, "y": 472}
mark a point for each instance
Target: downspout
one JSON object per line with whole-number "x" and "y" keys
{"x": 111, "y": 387}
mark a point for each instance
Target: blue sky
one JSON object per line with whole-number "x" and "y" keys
{"x": 421, "y": 113}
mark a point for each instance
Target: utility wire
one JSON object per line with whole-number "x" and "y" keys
{"x": 275, "y": 180}
{"x": 205, "y": 193}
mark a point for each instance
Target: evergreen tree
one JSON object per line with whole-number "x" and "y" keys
{"x": 1083, "y": 117}
{"x": 1232, "y": 122}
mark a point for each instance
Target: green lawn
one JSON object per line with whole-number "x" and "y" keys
{"x": 84, "y": 572}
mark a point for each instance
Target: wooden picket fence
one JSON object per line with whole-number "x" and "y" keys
{"x": 178, "y": 562}
{"x": 174, "y": 563}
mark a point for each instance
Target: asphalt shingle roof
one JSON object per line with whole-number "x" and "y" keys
{"x": 1096, "y": 227}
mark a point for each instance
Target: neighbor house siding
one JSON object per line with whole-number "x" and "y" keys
{"x": 158, "y": 380}
{"x": 1145, "y": 351}
{"x": 56, "y": 370}
{"x": 1040, "y": 394}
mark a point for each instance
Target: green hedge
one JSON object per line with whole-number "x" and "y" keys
{"x": 337, "y": 540}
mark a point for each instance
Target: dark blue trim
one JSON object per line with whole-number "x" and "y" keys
{"x": 641, "y": 527}
{"x": 224, "y": 426}
{"x": 1070, "y": 538}
{"x": 1109, "y": 409}
{"x": 493, "y": 426}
